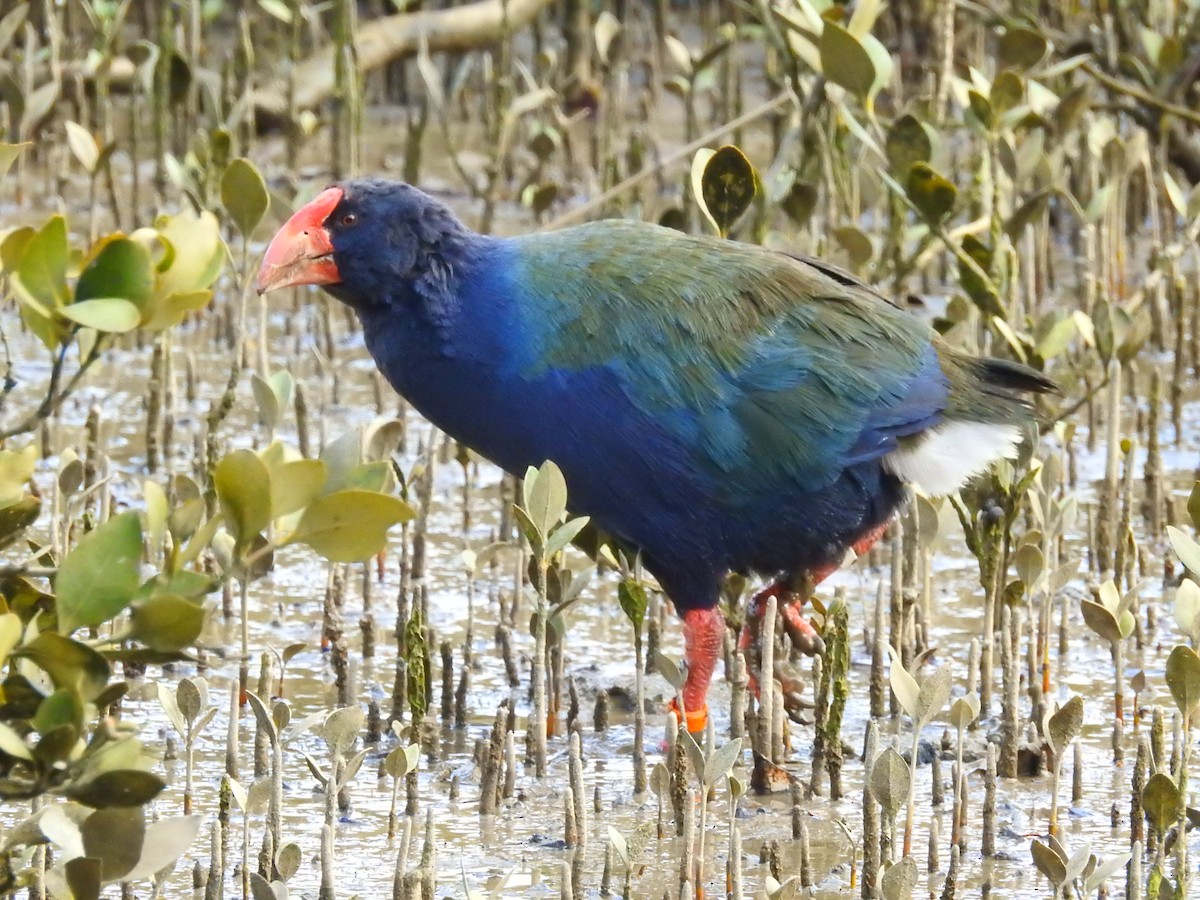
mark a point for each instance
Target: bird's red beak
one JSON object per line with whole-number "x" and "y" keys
{"x": 302, "y": 252}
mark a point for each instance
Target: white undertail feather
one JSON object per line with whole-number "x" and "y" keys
{"x": 946, "y": 457}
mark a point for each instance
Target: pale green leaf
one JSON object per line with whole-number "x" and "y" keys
{"x": 350, "y": 525}
{"x": 99, "y": 578}
{"x": 108, "y": 314}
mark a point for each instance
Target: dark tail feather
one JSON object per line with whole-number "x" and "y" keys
{"x": 990, "y": 390}
{"x": 1005, "y": 376}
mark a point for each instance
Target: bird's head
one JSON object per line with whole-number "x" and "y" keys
{"x": 362, "y": 240}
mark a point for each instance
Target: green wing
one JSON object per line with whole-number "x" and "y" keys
{"x": 763, "y": 364}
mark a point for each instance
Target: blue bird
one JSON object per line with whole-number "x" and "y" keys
{"x": 714, "y": 405}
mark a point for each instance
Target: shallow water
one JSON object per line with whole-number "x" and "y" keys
{"x": 519, "y": 852}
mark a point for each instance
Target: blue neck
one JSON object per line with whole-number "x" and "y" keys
{"x": 449, "y": 341}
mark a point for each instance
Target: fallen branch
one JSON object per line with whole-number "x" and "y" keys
{"x": 390, "y": 38}
{"x": 1142, "y": 96}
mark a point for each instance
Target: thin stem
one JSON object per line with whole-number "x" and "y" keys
{"x": 54, "y": 398}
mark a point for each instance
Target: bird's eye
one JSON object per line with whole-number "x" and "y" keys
{"x": 349, "y": 219}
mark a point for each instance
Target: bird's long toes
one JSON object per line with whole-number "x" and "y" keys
{"x": 795, "y": 708}
{"x": 807, "y": 642}
{"x": 801, "y": 633}
{"x": 792, "y": 685}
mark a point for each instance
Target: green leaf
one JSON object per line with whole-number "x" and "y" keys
{"x": 99, "y": 578}
{"x": 668, "y": 669}
{"x": 898, "y": 881}
{"x": 1008, "y": 90}
{"x": 288, "y": 859}
{"x": 195, "y": 254}
{"x": 69, "y": 663}
{"x": 908, "y": 143}
{"x": 17, "y": 516}
{"x": 1104, "y": 871}
{"x": 341, "y": 728}
{"x": 63, "y": 707}
{"x": 1064, "y": 725}
{"x": 1183, "y": 679}
{"x": 981, "y": 109}
{"x": 1162, "y": 802}
{"x": 564, "y": 534}
{"x": 277, "y": 8}
{"x": 38, "y": 103}
{"x": 108, "y": 314}
{"x": 1048, "y": 862}
{"x": 727, "y": 185}
{"x": 42, "y": 272}
{"x": 83, "y": 145}
{"x": 16, "y": 471}
{"x": 857, "y": 245}
{"x": 295, "y": 484}
{"x": 882, "y": 61}
{"x": 10, "y": 634}
{"x": 167, "y": 312}
{"x": 244, "y": 195}
{"x": 964, "y": 710}
{"x": 845, "y": 61}
{"x": 604, "y": 33}
{"x": 341, "y": 456}
{"x": 930, "y": 193}
{"x": 283, "y": 386}
{"x": 721, "y": 762}
{"x": 1029, "y": 563}
{"x": 166, "y": 623}
{"x": 118, "y": 788}
{"x": 935, "y": 691}
{"x": 1101, "y": 620}
{"x": 121, "y": 268}
{"x": 632, "y": 597}
{"x": 164, "y": 842}
{"x": 1031, "y": 209}
{"x": 399, "y": 762}
{"x": 83, "y": 877}
{"x": 1186, "y": 607}
{"x": 799, "y": 202}
{"x": 545, "y": 494}
{"x": 1057, "y": 337}
{"x": 350, "y": 525}
{"x": 890, "y": 779}
{"x": 1126, "y": 623}
{"x": 369, "y": 476}
{"x": 12, "y": 744}
{"x": 1186, "y": 549}
{"x": 12, "y": 247}
{"x": 269, "y": 411}
{"x": 904, "y": 686}
{"x": 1022, "y": 49}
{"x": 1193, "y": 504}
{"x": 528, "y": 529}
{"x": 9, "y": 154}
{"x": 243, "y": 485}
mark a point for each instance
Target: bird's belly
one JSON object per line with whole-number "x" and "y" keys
{"x": 793, "y": 530}
{"x": 640, "y": 480}
{"x": 624, "y": 469}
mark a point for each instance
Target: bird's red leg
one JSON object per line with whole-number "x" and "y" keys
{"x": 703, "y": 630}
{"x": 801, "y": 632}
